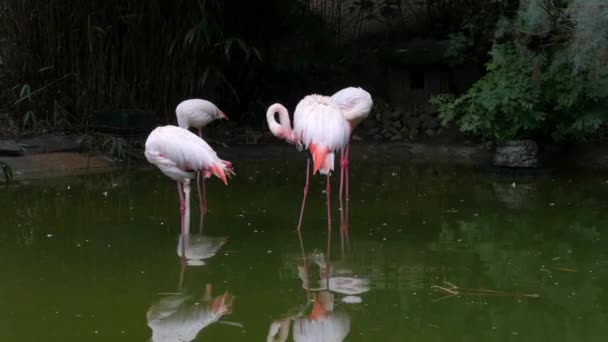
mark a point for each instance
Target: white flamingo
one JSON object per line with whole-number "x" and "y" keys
{"x": 179, "y": 153}
{"x": 355, "y": 104}
{"x": 320, "y": 127}
{"x": 198, "y": 113}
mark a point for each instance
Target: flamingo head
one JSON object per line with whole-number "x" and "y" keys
{"x": 221, "y": 115}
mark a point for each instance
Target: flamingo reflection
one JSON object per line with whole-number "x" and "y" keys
{"x": 321, "y": 321}
{"x": 195, "y": 248}
{"x": 181, "y": 316}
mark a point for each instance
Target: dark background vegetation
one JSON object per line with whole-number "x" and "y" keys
{"x": 63, "y": 60}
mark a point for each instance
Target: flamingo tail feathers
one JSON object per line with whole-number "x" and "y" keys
{"x": 323, "y": 160}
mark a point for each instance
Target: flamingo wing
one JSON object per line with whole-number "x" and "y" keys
{"x": 176, "y": 151}
{"x": 321, "y": 127}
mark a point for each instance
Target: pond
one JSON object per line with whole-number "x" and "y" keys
{"x": 434, "y": 253}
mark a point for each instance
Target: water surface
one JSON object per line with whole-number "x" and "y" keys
{"x": 436, "y": 254}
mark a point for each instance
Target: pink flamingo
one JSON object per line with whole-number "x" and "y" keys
{"x": 178, "y": 153}
{"x": 198, "y": 113}
{"x": 319, "y": 126}
{"x": 355, "y": 104}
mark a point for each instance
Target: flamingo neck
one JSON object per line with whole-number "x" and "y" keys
{"x": 282, "y": 128}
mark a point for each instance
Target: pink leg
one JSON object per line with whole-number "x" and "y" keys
{"x": 182, "y": 207}
{"x": 346, "y": 185}
{"x": 202, "y": 199}
{"x": 304, "y": 196}
{"x": 327, "y": 195}
{"x": 341, "y": 199}
{"x": 341, "y": 189}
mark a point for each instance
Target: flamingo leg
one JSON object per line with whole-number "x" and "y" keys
{"x": 182, "y": 207}
{"x": 186, "y": 225}
{"x": 341, "y": 189}
{"x": 341, "y": 199}
{"x": 202, "y": 198}
{"x": 304, "y": 196}
{"x": 346, "y": 184}
{"x": 327, "y": 195}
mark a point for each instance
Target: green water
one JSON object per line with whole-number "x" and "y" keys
{"x": 86, "y": 258}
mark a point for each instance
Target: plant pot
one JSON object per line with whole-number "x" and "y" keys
{"x": 516, "y": 153}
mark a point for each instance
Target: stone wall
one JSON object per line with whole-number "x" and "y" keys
{"x": 400, "y": 125}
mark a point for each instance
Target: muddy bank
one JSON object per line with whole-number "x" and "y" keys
{"x": 581, "y": 156}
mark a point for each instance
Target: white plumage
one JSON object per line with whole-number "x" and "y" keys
{"x": 197, "y": 113}
{"x": 178, "y": 152}
{"x": 321, "y": 127}
{"x": 355, "y": 104}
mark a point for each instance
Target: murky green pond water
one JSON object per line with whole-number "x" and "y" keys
{"x": 436, "y": 254}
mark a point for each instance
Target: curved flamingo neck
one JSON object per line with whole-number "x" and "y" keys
{"x": 282, "y": 128}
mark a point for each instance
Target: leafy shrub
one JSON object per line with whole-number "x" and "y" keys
{"x": 548, "y": 76}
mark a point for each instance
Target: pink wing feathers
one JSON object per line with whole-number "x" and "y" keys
{"x": 321, "y": 127}
{"x": 177, "y": 151}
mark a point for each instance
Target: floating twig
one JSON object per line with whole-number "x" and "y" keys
{"x": 453, "y": 290}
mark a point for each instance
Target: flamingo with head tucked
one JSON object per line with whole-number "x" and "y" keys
{"x": 179, "y": 153}
{"x": 323, "y": 132}
{"x": 320, "y": 127}
{"x": 198, "y": 113}
{"x": 355, "y": 104}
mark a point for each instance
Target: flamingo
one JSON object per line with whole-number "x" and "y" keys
{"x": 320, "y": 127}
{"x": 178, "y": 153}
{"x": 198, "y": 113}
{"x": 355, "y": 104}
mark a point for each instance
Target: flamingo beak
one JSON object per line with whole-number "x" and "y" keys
{"x": 223, "y": 116}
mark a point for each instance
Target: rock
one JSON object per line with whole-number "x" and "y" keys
{"x": 404, "y": 129}
{"x": 435, "y": 123}
{"x": 396, "y": 137}
{"x": 50, "y": 143}
{"x": 377, "y": 137}
{"x": 516, "y": 153}
{"x": 429, "y": 132}
{"x": 413, "y": 132}
{"x": 373, "y": 131}
{"x": 397, "y": 124}
{"x": 10, "y": 148}
{"x": 396, "y": 115}
{"x": 413, "y": 123}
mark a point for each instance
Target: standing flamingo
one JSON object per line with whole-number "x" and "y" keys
{"x": 198, "y": 113}
{"x": 178, "y": 153}
{"x": 355, "y": 104}
{"x": 319, "y": 126}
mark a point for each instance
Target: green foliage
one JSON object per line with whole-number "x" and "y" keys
{"x": 547, "y": 77}
{"x": 501, "y": 104}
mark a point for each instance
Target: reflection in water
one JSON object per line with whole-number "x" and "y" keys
{"x": 198, "y": 247}
{"x": 180, "y": 317}
{"x": 322, "y": 321}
